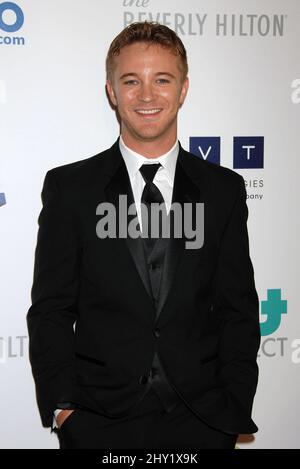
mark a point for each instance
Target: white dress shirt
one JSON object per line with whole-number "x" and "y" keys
{"x": 163, "y": 179}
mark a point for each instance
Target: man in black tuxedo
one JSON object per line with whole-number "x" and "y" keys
{"x": 144, "y": 341}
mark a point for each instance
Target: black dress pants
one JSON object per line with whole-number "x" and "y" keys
{"x": 148, "y": 427}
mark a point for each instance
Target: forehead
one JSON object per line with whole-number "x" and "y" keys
{"x": 141, "y": 55}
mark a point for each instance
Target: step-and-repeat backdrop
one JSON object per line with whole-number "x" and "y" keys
{"x": 242, "y": 112}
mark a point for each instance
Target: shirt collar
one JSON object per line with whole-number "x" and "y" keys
{"x": 135, "y": 160}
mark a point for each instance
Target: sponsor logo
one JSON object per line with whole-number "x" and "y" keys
{"x": 11, "y": 21}
{"x": 207, "y": 148}
{"x": 248, "y": 152}
{"x": 201, "y": 23}
{"x": 274, "y": 309}
{"x": 2, "y": 199}
{"x": 12, "y": 347}
{"x": 253, "y": 187}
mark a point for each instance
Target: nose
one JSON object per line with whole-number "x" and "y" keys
{"x": 146, "y": 92}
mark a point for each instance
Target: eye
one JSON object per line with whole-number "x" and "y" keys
{"x": 130, "y": 82}
{"x": 163, "y": 81}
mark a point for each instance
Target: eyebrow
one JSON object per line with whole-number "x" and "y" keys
{"x": 125, "y": 75}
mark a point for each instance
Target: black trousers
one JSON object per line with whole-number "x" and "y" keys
{"x": 148, "y": 427}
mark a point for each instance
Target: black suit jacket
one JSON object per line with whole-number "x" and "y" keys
{"x": 92, "y": 323}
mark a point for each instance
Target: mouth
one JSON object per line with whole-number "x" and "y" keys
{"x": 148, "y": 112}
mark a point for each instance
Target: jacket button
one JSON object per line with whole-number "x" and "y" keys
{"x": 156, "y": 332}
{"x": 143, "y": 379}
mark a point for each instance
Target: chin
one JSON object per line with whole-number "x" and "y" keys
{"x": 147, "y": 133}
{"x": 148, "y": 136}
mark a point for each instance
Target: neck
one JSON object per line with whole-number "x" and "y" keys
{"x": 149, "y": 148}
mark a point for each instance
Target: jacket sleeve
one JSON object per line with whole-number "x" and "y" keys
{"x": 237, "y": 307}
{"x": 53, "y": 312}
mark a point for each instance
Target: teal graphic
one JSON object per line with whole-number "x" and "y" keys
{"x": 273, "y": 308}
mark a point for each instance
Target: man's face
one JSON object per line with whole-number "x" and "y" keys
{"x": 147, "y": 89}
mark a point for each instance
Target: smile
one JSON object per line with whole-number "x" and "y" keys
{"x": 147, "y": 112}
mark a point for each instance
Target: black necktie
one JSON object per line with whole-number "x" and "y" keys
{"x": 151, "y": 194}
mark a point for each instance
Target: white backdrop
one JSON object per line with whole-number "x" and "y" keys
{"x": 245, "y": 82}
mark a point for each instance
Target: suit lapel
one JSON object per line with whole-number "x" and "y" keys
{"x": 184, "y": 191}
{"x": 119, "y": 184}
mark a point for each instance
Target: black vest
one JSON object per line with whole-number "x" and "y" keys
{"x": 157, "y": 379}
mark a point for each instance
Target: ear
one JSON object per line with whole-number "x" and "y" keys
{"x": 111, "y": 93}
{"x": 184, "y": 90}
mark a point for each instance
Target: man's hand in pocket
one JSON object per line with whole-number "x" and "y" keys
{"x": 62, "y": 416}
